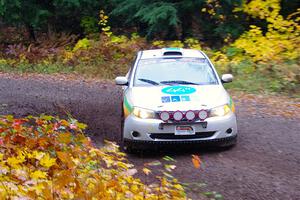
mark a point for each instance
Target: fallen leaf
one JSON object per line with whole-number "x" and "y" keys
{"x": 196, "y": 161}
{"x": 146, "y": 171}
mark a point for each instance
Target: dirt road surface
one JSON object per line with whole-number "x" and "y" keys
{"x": 265, "y": 164}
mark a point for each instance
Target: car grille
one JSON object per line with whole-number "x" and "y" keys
{"x": 170, "y": 136}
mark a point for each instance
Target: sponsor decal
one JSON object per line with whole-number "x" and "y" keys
{"x": 166, "y": 99}
{"x": 175, "y": 98}
{"x": 173, "y": 49}
{"x": 185, "y": 98}
{"x": 231, "y": 104}
{"x": 178, "y": 90}
{"x": 127, "y": 107}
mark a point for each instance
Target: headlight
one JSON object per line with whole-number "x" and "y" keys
{"x": 220, "y": 111}
{"x": 143, "y": 113}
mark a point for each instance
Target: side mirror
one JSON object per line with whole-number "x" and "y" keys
{"x": 121, "y": 80}
{"x": 227, "y": 78}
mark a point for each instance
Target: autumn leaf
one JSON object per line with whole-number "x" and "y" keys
{"x": 154, "y": 163}
{"x": 73, "y": 126}
{"x": 50, "y": 165}
{"x": 42, "y": 142}
{"x": 17, "y": 123}
{"x": 63, "y": 178}
{"x": 47, "y": 161}
{"x": 170, "y": 167}
{"x": 168, "y": 158}
{"x": 81, "y": 125}
{"x": 65, "y": 137}
{"x": 196, "y": 161}
{"x": 146, "y": 171}
{"x": 130, "y": 172}
{"x": 38, "y": 175}
{"x": 19, "y": 139}
{"x": 65, "y": 158}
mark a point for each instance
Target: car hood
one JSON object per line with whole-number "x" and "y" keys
{"x": 180, "y": 97}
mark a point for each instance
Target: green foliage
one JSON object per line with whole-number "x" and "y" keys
{"x": 89, "y": 25}
{"x": 36, "y": 15}
{"x": 171, "y": 19}
{"x": 28, "y": 12}
{"x": 158, "y": 16}
{"x": 166, "y": 19}
{"x": 209, "y": 20}
{"x": 82, "y": 44}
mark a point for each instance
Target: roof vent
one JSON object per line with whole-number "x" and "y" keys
{"x": 172, "y": 53}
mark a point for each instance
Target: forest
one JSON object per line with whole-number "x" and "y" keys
{"x": 258, "y": 40}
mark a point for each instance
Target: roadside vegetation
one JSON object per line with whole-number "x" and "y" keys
{"x": 258, "y": 41}
{"x": 50, "y": 158}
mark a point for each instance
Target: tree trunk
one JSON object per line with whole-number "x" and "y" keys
{"x": 30, "y": 30}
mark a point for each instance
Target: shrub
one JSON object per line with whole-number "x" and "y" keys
{"x": 273, "y": 53}
{"x": 50, "y": 158}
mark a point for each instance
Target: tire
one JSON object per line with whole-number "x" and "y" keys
{"x": 127, "y": 148}
{"x": 124, "y": 146}
{"x": 122, "y": 128}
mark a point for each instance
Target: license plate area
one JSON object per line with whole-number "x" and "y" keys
{"x": 184, "y": 130}
{"x": 166, "y": 124}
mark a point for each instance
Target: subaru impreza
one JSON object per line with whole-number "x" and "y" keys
{"x": 175, "y": 95}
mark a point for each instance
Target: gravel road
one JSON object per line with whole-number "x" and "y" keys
{"x": 265, "y": 164}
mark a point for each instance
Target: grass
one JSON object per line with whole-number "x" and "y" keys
{"x": 93, "y": 71}
{"x": 36, "y": 68}
{"x": 253, "y": 82}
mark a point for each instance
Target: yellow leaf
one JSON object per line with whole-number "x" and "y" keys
{"x": 123, "y": 165}
{"x": 36, "y": 154}
{"x": 14, "y": 162}
{"x": 134, "y": 189}
{"x": 146, "y": 171}
{"x": 170, "y": 167}
{"x": 47, "y": 161}
{"x": 38, "y": 175}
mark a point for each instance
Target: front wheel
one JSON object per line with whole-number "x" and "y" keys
{"x": 124, "y": 146}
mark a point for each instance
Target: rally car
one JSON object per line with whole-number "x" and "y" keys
{"x": 175, "y": 95}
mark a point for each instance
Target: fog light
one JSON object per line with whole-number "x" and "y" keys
{"x": 135, "y": 134}
{"x": 229, "y": 130}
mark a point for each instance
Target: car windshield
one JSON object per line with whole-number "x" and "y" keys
{"x": 174, "y": 71}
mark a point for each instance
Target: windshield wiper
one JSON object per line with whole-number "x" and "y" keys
{"x": 178, "y": 82}
{"x": 148, "y": 81}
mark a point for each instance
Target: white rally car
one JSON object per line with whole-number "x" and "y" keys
{"x": 174, "y": 95}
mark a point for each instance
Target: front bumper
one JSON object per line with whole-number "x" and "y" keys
{"x": 214, "y": 129}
